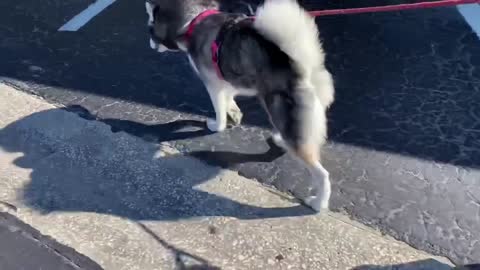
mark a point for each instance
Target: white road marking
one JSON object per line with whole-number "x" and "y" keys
{"x": 471, "y": 13}
{"x": 83, "y": 17}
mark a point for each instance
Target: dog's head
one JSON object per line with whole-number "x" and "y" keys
{"x": 168, "y": 20}
{"x": 165, "y": 21}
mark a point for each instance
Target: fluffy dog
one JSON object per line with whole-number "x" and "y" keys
{"x": 275, "y": 55}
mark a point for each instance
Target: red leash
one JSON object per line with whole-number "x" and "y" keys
{"x": 317, "y": 13}
{"x": 420, "y": 5}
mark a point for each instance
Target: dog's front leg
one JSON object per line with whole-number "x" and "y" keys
{"x": 220, "y": 103}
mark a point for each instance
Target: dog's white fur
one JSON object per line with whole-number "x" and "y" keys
{"x": 291, "y": 28}
{"x": 287, "y": 25}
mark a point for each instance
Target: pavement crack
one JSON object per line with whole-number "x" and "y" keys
{"x": 394, "y": 212}
{"x": 473, "y": 198}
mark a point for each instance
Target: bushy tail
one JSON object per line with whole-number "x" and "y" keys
{"x": 285, "y": 23}
{"x": 289, "y": 26}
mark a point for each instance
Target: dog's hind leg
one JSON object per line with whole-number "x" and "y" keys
{"x": 320, "y": 177}
{"x": 301, "y": 128}
{"x": 312, "y": 127}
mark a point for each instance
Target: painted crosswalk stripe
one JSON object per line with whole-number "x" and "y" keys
{"x": 86, "y": 15}
{"x": 471, "y": 13}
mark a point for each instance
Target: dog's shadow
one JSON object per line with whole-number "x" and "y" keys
{"x": 76, "y": 170}
{"x": 158, "y": 133}
{"x": 182, "y": 130}
{"x": 154, "y": 133}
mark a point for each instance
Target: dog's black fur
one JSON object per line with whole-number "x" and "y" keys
{"x": 256, "y": 58}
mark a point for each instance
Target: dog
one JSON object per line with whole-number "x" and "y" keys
{"x": 275, "y": 55}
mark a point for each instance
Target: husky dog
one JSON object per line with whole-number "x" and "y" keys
{"x": 275, "y": 56}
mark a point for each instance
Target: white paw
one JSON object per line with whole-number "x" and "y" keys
{"x": 214, "y": 126}
{"x": 236, "y": 115}
{"x": 317, "y": 203}
{"x": 278, "y": 140}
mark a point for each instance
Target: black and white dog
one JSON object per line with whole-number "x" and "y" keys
{"x": 275, "y": 56}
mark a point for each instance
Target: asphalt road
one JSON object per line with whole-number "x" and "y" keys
{"x": 20, "y": 241}
{"x": 405, "y": 130}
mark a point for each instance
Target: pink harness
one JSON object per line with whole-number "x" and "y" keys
{"x": 215, "y": 47}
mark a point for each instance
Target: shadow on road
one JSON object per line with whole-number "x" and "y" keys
{"x": 154, "y": 133}
{"x": 84, "y": 171}
{"x": 406, "y": 82}
{"x": 175, "y": 130}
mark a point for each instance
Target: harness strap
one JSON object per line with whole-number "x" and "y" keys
{"x": 215, "y": 47}
{"x": 200, "y": 17}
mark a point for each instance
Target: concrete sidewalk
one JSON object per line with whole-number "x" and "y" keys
{"x": 128, "y": 204}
